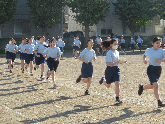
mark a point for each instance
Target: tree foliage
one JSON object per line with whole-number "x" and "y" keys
{"x": 160, "y": 4}
{"x": 46, "y": 13}
{"x": 89, "y": 12}
{"x": 135, "y": 13}
{"x": 7, "y": 10}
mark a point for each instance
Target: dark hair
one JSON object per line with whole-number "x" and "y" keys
{"x": 98, "y": 36}
{"x": 52, "y": 40}
{"x": 106, "y": 43}
{"x": 38, "y": 37}
{"x": 156, "y": 39}
{"x": 27, "y": 40}
{"x": 60, "y": 37}
{"x": 89, "y": 40}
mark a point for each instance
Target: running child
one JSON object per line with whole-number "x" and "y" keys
{"x": 156, "y": 56}
{"x": 12, "y": 49}
{"x": 86, "y": 56}
{"x": 74, "y": 47}
{"x": 29, "y": 49}
{"x": 53, "y": 55}
{"x": 139, "y": 41}
{"x": 98, "y": 41}
{"x": 60, "y": 43}
{"x": 7, "y": 52}
{"x": 39, "y": 59}
{"x": 132, "y": 44}
{"x": 112, "y": 72}
{"x": 122, "y": 47}
{"x": 21, "y": 48}
{"x": 77, "y": 46}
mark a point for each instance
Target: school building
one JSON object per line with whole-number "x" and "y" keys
{"x": 22, "y": 26}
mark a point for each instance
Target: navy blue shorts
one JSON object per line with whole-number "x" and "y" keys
{"x": 98, "y": 46}
{"x": 139, "y": 45}
{"x": 28, "y": 58}
{"x": 52, "y": 64}
{"x": 132, "y": 46}
{"x": 39, "y": 60}
{"x": 11, "y": 56}
{"x": 7, "y": 54}
{"x": 112, "y": 74}
{"x": 86, "y": 70}
{"x": 62, "y": 50}
{"x": 123, "y": 45}
{"x": 76, "y": 48}
{"x": 22, "y": 56}
{"x": 154, "y": 73}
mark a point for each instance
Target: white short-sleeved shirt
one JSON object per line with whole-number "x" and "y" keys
{"x": 53, "y": 53}
{"x": 77, "y": 42}
{"x": 30, "y": 51}
{"x": 87, "y": 54}
{"x": 98, "y": 40}
{"x": 132, "y": 41}
{"x": 22, "y": 48}
{"x": 139, "y": 40}
{"x": 11, "y": 47}
{"x": 164, "y": 40}
{"x": 60, "y": 43}
{"x": 152, "y": 55}
{"x": 122, "y": 41}
{"x": 112, "y": 56}
{"x": 40, "y": 48}
{"x": 7, "y": 46}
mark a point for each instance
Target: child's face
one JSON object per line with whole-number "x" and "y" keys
{"x": 42, "y": 39}
{"x": 114, "y": 43}
{"x": 12, "y": 42}
{"x": 77, "y": 38}
{"x": 47, "y": 41}
{"x": 157, "y": 44}
{"x": 90, "y": 43}
{"x": 121, "y": 37}
{"x": 53, "y": 43}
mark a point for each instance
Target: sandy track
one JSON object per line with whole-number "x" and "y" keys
{"x": 25, "y": 99}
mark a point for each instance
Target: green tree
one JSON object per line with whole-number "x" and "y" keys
{"x": 89, "y": 12}
{"x": 7, "y": 10}
{"x": 46, "y": 13}
{"x": 160, "y": 4}
{"x": 135, "y": 13}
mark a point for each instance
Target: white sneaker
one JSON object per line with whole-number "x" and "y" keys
{"x": 47, "y": 80}
{"x": 31, "y": 74}
{"x": 26, "y": 69}
{"x": 54, "y": 85}
{"x": 117, "y": 102}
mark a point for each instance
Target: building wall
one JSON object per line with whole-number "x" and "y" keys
{"x": 21, "y": 25}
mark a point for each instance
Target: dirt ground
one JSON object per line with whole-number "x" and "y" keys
{"x": 26, "y": 99}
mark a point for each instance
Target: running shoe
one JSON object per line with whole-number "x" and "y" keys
{"x": 54, "y": 85}
{"x": 86, "y": 92}
{"x": 117, "y": 102}
{"x": 11, "y": 66}
{"x": 34, "y": 68}
{"x": 22, "y": 70}
{"x": 47, "y": 80}
{"x": 10, "y": 71}
{"x": 31, "y": 74}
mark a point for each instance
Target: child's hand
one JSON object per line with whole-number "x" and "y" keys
{"x": 86, "y": 62}
{"x": 55, "y": 59}
{"x": 125, "y": 61}
{"x": 158, "y": 61}
{"x": 94, "y": 58}
{"x": 28, "y": 49}
{"x": 47, "y": 57}
{"x": 145, "y": 62}
{"x": 38, "y": 55}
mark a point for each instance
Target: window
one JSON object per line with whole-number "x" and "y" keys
{"x": 103, "y": 31}
{"x": 17, "y": 28}
{"x": 124, "y": 30}
{"x": 21, "y": 27}
{"x": 109, "y": 31}
{"x": 106, "y": 31}
{"x": 141, "y": 29}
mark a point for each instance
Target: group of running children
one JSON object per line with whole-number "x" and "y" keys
{"x": 122, "y": 43}
{"x": 53, "y": 53}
